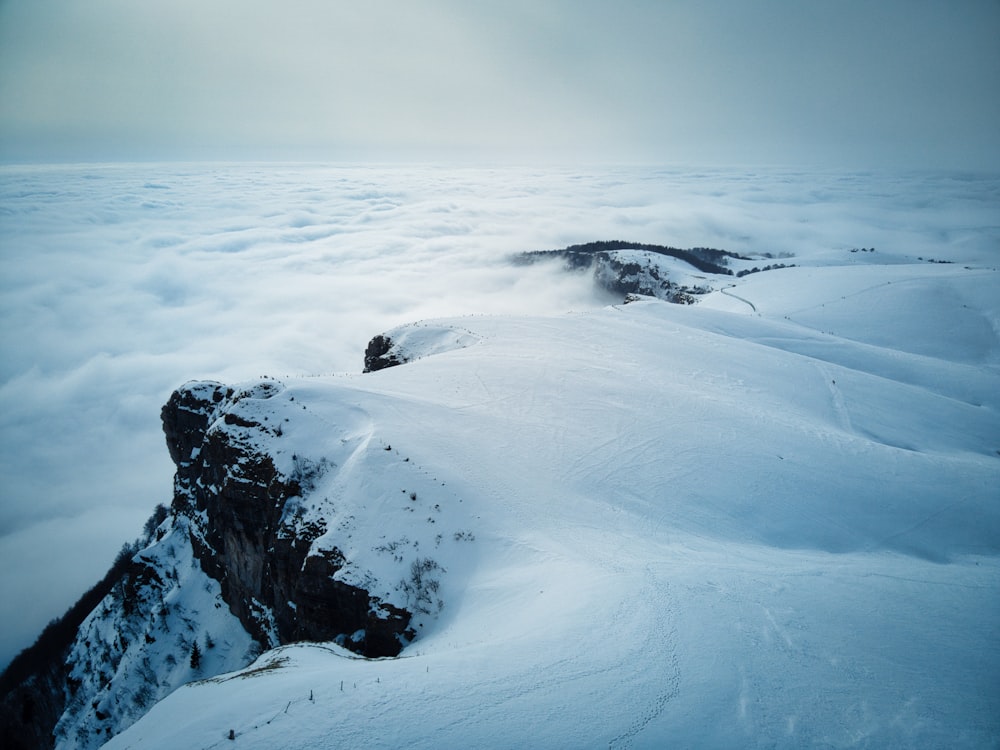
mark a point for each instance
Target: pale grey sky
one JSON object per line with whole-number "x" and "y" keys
{"x": 854, "y": 83}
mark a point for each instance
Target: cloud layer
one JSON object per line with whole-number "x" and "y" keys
{"x": 118, "y": 283}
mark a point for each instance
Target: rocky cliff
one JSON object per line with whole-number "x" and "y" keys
{"x": 247, "y": 557}
{"x": 379, "y": 354}
{"x": 275, "y": 577}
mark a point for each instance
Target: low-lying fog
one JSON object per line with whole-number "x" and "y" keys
{"x": 121, "y": 282}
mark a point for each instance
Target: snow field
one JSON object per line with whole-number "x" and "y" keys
{"x": 661, "y": 526}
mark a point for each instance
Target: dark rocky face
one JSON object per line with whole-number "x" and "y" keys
{"x": 377, "y": 355}
{"x": 279, "y": 589}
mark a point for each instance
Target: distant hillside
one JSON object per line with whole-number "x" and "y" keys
{"x": 638, "y": 268}
{"x": 705, "y": 259}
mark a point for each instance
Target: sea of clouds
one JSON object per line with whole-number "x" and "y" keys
{"x": 120, "y": 282}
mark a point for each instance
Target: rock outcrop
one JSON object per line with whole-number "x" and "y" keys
{"x": 274, "y": 578}
{"x": 234, "y": 566}
{"x": 379, "y": 355}
{"x": 415, "y": 341}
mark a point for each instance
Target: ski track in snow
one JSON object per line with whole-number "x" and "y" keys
{"x": 725, "y": 291}
{"x": 840, "y": 409}
{"x": 662, "y": 633}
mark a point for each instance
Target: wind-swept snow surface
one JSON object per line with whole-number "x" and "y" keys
{"x": 667, "y": 526}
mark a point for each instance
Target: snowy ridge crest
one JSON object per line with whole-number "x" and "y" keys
{"x": 272, "y": 538}
{"x": 764, "y": 520}
{"x": 259, "y": 521}
{"x": 415, "y": 341}
{"x": 768, "y": 519}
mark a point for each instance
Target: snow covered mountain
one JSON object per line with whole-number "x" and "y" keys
{"x": 767, "y": 519}
{"x": 668, "y": 273}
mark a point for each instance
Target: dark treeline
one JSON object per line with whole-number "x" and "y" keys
{"x": 59, "y": 634}
{"x": 32, "y": 687}
{"x": 705, "y": 259}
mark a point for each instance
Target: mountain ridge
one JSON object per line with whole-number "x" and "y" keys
{"x": 640, "y": 268}
{"x": 576, "y": 505}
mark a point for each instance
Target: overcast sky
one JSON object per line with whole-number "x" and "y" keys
{"x": 854, "y": 83}
{"x": 118, "y": 283}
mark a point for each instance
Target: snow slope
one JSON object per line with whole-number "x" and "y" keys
{"x": 766, "y": 520}
{"x": 118, "y": 282}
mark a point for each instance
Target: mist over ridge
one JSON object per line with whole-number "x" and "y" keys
{"x": 122, "y": 281}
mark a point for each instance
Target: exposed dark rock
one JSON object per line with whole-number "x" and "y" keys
{"x": 377, "y": 356}
{"x": 280, "y": 589}
{"x": 230, "y": 502}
